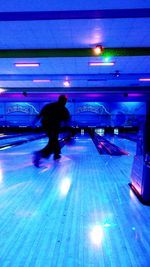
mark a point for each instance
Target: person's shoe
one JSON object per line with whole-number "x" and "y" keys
{"x": 36, "y": 159}
{"x": 57, "y": 156}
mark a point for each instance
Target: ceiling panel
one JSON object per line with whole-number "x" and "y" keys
{"x": 28, "y": 5}
{"x": 70, "y": 25}
{"x": 75, "y": 33}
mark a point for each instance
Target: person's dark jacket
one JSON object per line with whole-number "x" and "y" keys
{"x": 53, "y": 114}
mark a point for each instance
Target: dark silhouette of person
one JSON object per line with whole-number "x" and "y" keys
{"x": 52, "y": 116}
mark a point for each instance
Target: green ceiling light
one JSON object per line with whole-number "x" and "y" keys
{"x": 106, "y": 59}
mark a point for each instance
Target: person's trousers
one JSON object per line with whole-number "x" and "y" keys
{"x": 53, "y": 146}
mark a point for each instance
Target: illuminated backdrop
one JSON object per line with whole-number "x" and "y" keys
{"x": 83, "y": 114}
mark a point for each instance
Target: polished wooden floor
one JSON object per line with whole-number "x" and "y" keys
{"x": 78, "y": 211}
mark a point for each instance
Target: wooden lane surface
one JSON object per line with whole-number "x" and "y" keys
{"x": 78, "y": 211}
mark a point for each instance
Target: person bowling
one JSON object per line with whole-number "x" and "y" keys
{"x": 51, "y": 116}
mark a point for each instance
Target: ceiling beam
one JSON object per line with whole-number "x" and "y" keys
{"x": 92, "y": 90}
{"x": 87, "y": 77}
{"x": 76, "y": 14}
{"x": 75, "y": 52}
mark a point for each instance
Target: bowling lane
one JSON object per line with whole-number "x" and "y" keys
{"x": 10, "y": 135}
{"x": 125, "y": 144}
{"x": 10, "y": 140}
{"x": 77, "y": 211}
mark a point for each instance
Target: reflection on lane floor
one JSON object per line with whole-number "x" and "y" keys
{"x": 79, "y": 209}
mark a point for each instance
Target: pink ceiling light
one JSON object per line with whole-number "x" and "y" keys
{"x": 41, "y": 81}
{"x": 101, "y": 63}
{"x": 144, "y": 79}
{"x": 27, "y": 64}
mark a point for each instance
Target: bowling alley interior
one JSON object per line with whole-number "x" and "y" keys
{"x": 91, "y": 206}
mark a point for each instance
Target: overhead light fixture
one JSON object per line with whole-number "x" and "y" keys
{"x": 66, "y": 83}
{"x": 24, "y": 93}
{"x": 144, "y": 79}
{"x": 101, "y": 63}
{"x": 27, "y": 64}
{"x": 135, "y": 95}
{"x": 2, "y": 90}
{"x": 117, "y": 74}
{"x": 125, "y": 95}
{"x": 106, "y": 59}
{"x": 41, "y": 81}
{"x": 98, "y": 50}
